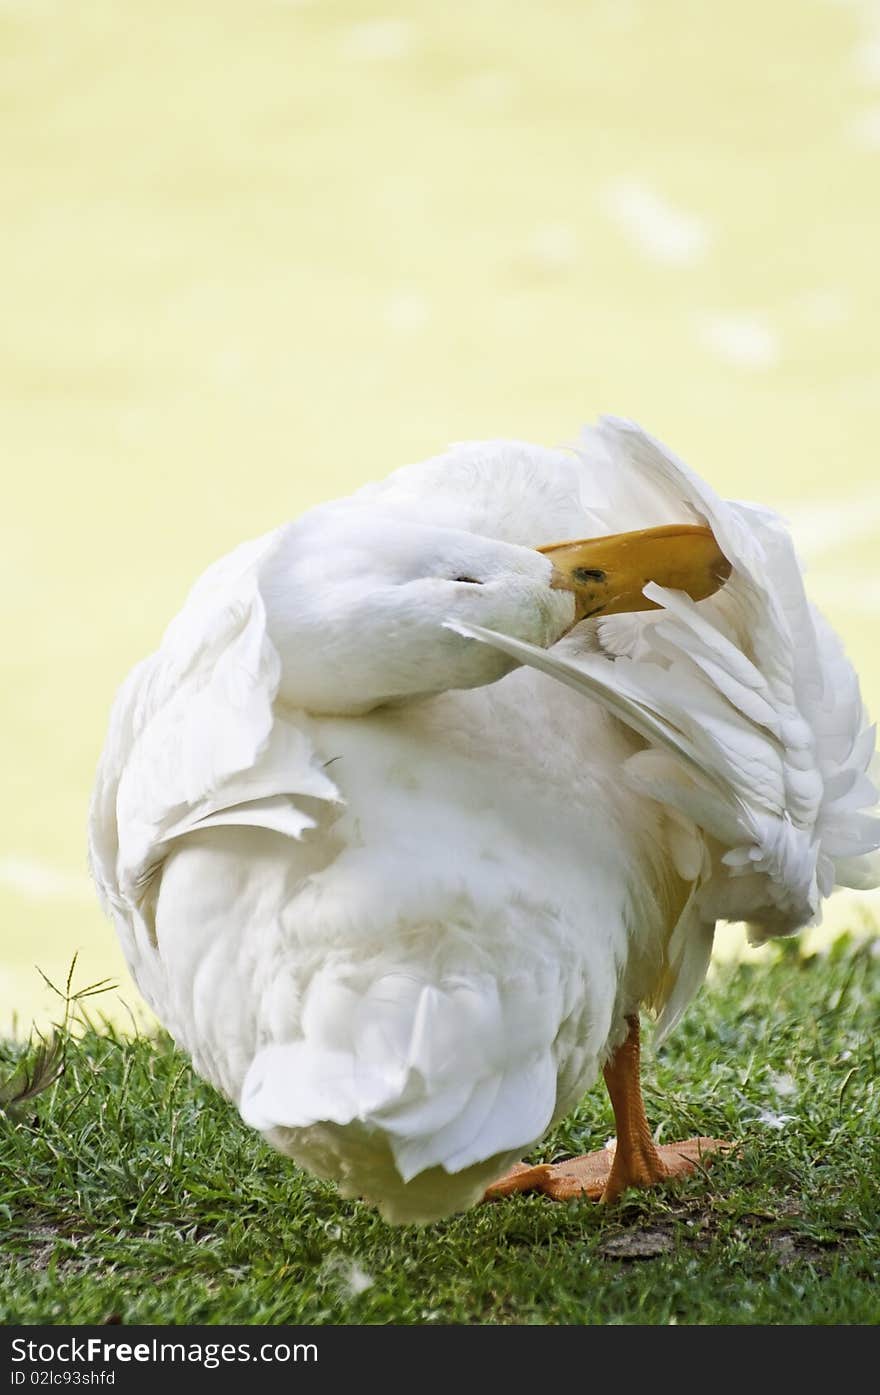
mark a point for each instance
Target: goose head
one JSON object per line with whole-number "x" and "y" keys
{"x": 359, "y": 606}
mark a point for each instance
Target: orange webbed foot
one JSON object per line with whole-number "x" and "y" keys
{"x": 634, "y": 1160}
{"x": 605, "y": 1175}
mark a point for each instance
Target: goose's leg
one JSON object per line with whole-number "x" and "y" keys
{"x": 636, "y": 1160}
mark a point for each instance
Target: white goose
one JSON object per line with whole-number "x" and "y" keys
{"x": 402, "y": 904}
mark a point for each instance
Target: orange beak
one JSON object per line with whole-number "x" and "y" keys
{"x": 608, "y": 575}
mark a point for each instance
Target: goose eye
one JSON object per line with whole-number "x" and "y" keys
{"x": 471, "y": 580}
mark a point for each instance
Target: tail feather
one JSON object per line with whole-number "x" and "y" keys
{"x": 451, "y": 1073}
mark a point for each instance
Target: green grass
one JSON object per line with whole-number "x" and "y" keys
{"x": 129, "y": 1191}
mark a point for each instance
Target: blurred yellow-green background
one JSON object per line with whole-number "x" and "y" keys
{"x": 254, "y": 254}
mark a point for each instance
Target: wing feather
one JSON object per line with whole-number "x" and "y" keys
{"x": 196, "y": 742}
{"x": 751, "y": 713}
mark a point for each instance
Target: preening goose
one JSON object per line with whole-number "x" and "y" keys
{"x": 417, "y": 806}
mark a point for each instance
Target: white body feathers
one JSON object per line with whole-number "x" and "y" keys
{"x": 403, "y": 936}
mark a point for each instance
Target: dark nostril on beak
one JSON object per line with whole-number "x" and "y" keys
{"x": 587, "y": 574}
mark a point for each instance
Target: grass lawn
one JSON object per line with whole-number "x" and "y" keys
{"x": 130, "y": 1192}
